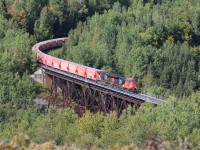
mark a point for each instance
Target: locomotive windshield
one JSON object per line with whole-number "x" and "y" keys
{"x": 130, "y": 80}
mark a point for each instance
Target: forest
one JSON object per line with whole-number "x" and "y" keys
{"x": 155, "y": 41}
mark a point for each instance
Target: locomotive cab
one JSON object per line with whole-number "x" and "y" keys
{"x": 130, "y": 84}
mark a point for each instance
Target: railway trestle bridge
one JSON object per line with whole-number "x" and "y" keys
{"x": 82, "y": 93}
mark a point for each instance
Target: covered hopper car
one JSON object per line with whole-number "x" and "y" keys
{"x": 77, "y": 69}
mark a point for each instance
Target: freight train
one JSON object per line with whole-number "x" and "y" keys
{"x": 80, "y": 70}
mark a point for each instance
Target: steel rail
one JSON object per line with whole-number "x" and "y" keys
{"x": 118, "y": 92}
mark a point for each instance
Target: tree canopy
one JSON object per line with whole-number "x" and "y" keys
{"x": 161, "y": 40}
{"x": 156, "y": 41}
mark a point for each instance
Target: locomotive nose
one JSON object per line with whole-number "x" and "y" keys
{"x": 132, "y": 85}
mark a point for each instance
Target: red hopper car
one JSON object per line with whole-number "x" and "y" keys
{"x": 79, "y": 70}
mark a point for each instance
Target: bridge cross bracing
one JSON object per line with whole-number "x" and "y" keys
{"x": 113, "y": 91}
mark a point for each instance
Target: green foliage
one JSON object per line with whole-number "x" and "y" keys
{"x": 39, "y": 16}
{"x": 15, "y": 66}
{"x": 44, "y": 26}
{"x": 3, "y": 27}
{"x": 156, "y": 41}
{"x": 19, "y": 91}
{"x": 16, "y": 121}
{"x": 31, "y": 10}
{"x": 16, "y": 51}
{"x": 2, "y": 9}
{"x": 55, "y": 126}
{"x": 16, "y": 90}
{"x": 176, "y": 121}
{"x": 159, "y": 38}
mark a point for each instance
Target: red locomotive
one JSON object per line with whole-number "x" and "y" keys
{"x": 77, "y": 69}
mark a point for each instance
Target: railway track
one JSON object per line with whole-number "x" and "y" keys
{"x": 111, "y": 90}
{"x": 118, "y": 92}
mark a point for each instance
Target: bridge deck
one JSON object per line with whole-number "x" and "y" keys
{"x": 120, "y": 92}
